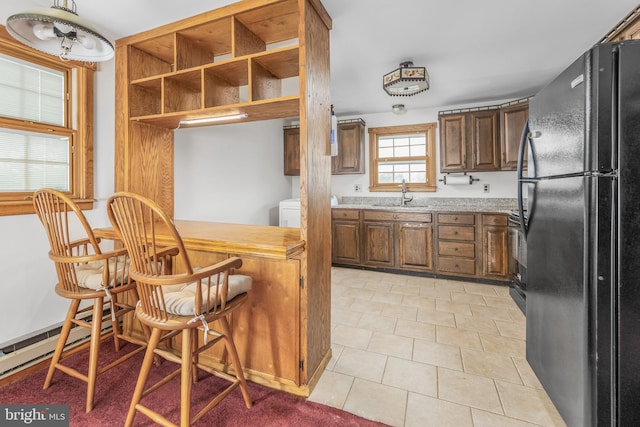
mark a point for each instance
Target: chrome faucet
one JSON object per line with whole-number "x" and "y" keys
{"x": 403, "y": 198}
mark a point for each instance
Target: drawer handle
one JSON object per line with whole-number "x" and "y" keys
{"x": 455, "y": 233}
{"x": 456, "y": 249}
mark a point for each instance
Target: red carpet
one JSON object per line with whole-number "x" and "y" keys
{"x": 114, "y": 389}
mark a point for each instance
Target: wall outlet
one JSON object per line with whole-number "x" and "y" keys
{"x": 357, "y": 188}
{"x": 485, "y": 188}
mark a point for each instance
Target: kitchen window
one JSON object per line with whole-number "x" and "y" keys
{"x": 400, "y": 153}
{"x": 46, "y": 123}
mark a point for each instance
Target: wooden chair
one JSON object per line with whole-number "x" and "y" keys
{"x": 172, "y": 303}
{"x": 84, "y": 273}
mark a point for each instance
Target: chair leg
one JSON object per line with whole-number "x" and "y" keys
{"x": 64, "y": 335}
{"x": 94, "y": 349}
{"x": 186, "y": 376}
{"x": 114, "y": 321}
{"x": 195, "y": 356}
{"x": 231, "y": 348}
{"x": 144, "y": 374}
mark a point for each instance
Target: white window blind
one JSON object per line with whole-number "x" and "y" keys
{"x": 34, "y": 92}
{"x": 30, "y": 160}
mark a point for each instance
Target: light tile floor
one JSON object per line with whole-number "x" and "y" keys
{"x": 416, "y": 352}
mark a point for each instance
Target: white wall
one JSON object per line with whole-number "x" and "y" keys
{"x": 501, "y": 184}
{"x": 231, "y": 173}
{"x": 28, "y": 302}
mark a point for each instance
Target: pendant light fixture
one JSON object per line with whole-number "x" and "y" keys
{"x": 61, "y": 32}
{"x": 406, "y": 80}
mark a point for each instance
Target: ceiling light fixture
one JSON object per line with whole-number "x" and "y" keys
{"x": 61, "y": 32}
{"x": 213, "y": 119}
{"x": 398, "y": 109}
{"x": 406, "y": 80}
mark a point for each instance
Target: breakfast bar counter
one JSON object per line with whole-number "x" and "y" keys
{"x": 268, "y": 329}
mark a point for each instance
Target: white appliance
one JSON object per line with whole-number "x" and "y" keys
{"x": 290, "y": 213}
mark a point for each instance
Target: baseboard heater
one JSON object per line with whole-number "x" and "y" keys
{"x": 26, "y": 356}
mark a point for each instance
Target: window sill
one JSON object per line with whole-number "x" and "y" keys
{"x": 26, "y": 207}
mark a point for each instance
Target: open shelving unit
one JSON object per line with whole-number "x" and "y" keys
{"x": 270, "y": 60}
{"x": 233, "y": 64}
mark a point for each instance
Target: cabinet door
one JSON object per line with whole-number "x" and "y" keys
{"x": 512, "y": 121}
{"x": 346, "y": 242}
{"x": 350, "y": 158}
{"x": 485, "y": 140}
{"x": 378, "y": 244}
{"x": 495, "y": 251}
{"x": 415, "y": 243}
{"x": 292, "y": 152}
{"x": 453, "y": 140}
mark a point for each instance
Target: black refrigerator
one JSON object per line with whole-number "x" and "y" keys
{"x": 583, "y": 237}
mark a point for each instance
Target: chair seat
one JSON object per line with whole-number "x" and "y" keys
{"x": 180, "y": 300}
{"x": 90, "y": 275}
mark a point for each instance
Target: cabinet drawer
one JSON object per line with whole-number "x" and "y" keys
{"x": 397, "y": 216}
{"x": 494, "y": 219}
{"x": 456, "y": 233}
{"x": 466, "y": 219}
{"x": 456, "y": 265}
{"x": 457, "y": 249}
{"x": 345, "y": 214}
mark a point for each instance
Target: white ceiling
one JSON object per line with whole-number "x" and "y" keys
{"x": 474, "y": 51}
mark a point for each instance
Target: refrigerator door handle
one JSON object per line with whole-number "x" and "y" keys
{"x": 524, "y": 142}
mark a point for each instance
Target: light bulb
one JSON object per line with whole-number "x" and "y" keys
{"x": 86, "y": 40}
{"x": 44, "y": 31}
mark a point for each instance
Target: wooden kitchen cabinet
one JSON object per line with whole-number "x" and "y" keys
{"x": 453, "y": 142}
{"x": 415, "y": 245}
{"x": 350, "y": 158}
{"x": 495, "y": 250}
{"x": 457, "y": 249}
{"x": 452, "y": 244}
{"x": 292, "y": 151}
{"x": 377, "y": 240}
{"x": 627, "y": 29}
{"x": 345, "y": 233}
{"x": 470, "y": 141}
{"x": 394, "y": 240}
{"x": 512, "y": 121}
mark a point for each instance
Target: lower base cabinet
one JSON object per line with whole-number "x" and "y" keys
{"x": 345, "y": 231}
{"x": 457, "y": 244}
{"x": 495, "y": 241}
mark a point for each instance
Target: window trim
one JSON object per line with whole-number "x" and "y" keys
{"x": 429, "y": 129}
{"x": 81, "y": 136}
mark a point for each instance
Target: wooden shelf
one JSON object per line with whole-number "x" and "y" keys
{"x": 217, "y": 66}
{"x": 283, "y": 107}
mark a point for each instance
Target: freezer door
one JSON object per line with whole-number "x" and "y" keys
{"x": 557, "y": 117}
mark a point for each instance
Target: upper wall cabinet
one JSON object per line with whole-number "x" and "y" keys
{"x": 483, "y": 139}
{"x": 243, "y": 63}
{"x": 627, "y": 29}
{"x": 350, "y": 158}
{"x": 512, "y": 121}
{"x": 469, "y": 141}
{"x": 292, "y": 150}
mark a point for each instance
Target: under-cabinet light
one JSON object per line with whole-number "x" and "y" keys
{"x": 214, "y": 119}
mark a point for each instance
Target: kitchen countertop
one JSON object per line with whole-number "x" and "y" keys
{"x": 430, "y": 204}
